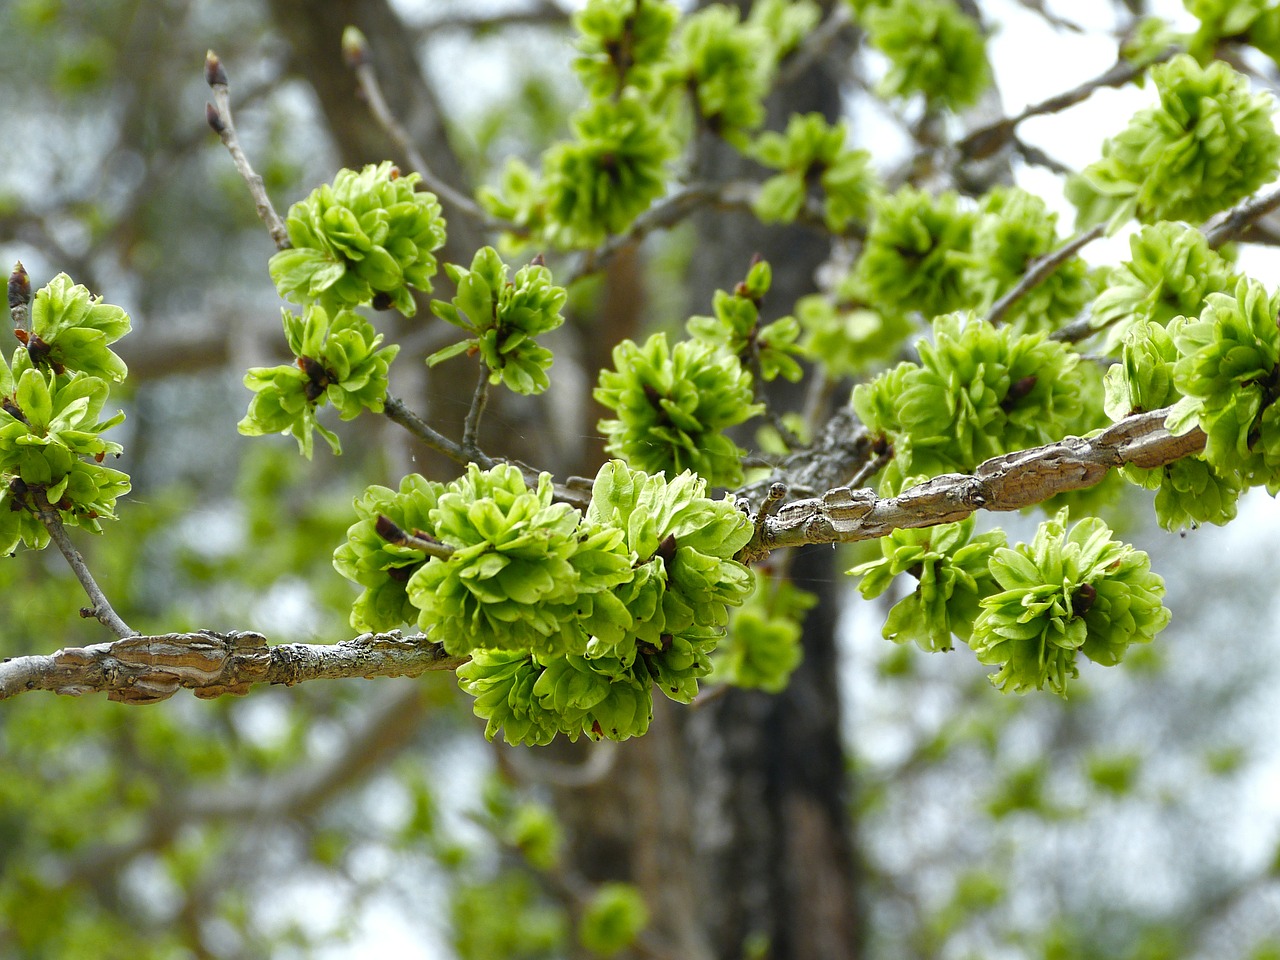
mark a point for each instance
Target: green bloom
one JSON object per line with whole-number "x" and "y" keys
{"x": 933, "y": 49}
{"x": 51, "y": 439}
{"x": 613, "y": 918}
{"x": 812, "y": 153}
{"x": 340, "y": 361}
{"x": 71, "y": 330}
{"x": 623, "y": 43}
{"x": 1209, "y": 143}
{"x": 502, "y": 682}
{"x": 613, "y": 169}
{"x": 762, "y": 648}
{"x": 672, "y": 407}
{"x": 846, "y": 337}
{"x": 1066, "y": 594}
{"x": 949, "y": 565}
{"x": 915, "y": 254}
{"x": 736, "y": 329}
{"x": 504, "y": 315}
{"x": 727, "y": 65}
{"x": 1013, "y": 229}
{"x": 1188, "y": 491}
{"x": 1228, "y": 376}
{"x": 1170, "y": 272}
{"x": 367, "y": 239}
{"x": 977, "y": 392}
{"x": 383, "y": 568}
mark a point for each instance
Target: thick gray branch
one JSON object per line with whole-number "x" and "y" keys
{"x": 149, "y": 669}
{"x": 1009, "y": 482}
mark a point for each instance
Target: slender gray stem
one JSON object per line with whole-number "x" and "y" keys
{"x": 101, "y": 609}
{"x": 218, "y": 116}
{"x": 1041, "y": 270}
{"x": 471, "y": 425}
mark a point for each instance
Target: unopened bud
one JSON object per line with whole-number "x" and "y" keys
{"x": 214, "y": 119}
{"x": 214, "y": 73}
{"x": 355, "y": 48}
{"x": 19, "y": 287}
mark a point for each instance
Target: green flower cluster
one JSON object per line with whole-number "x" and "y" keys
{"x": 843, "y": 335}
{"x": 72, "y": 330}
{"x": 914, "y": 257}
{"x": 1255, "y": 21}
{"x": 52, "y": 400}
{"x": 667, "y": 609}
{"x": 612, "y": 919}
{"x": 1209, "y": 143}
{"x": 1229, "y": 374}
{"x": 812, "y": 153}
{"x": 1188, "y": 491}
{"x": 933, "y": 49}
{"x": 977, "y": 392}
{"x": 950, "y": 567}
{"x": 340, "y": 360}
{"x": 1067, "y": 593}
{"x": 504, "y": 316}
{"x": 763, "y": 647}
{"x": 1014, "y": 228}
{"x": 673, "y": 406}
{"x": 736, "y": 329}
{"x": 1171, "y": 271}
{"x": 381, "y": 567}
{"x": 600, "y": 181}
{"x": 623, "y": 43}
{"x": 524, "y": 573}
{"x": 727, "y": 66}
{"x": 367, "y": 239}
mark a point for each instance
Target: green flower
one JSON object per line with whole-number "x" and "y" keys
{"x": 1170, "y": 272}
{"x": 1062, "y": 595}
{"x": 1188, "y": 491}
{"x": 367, "y": 239}
{"x": 340, "y": 361}
{"x": 1228, "y": 376}
{"x": 672, "y": 407}
{"x": 71, "y": 330}
{"x": 736, "y": 329}
{"x": 812, "y": 153}
{"x": 686, "y": 577}
{"x": 727, "y": 65}
{"x": 846, "y": 337}
{"x": 502, "y": 683}
{"x": 504, "y": 316}
{"x": 51, "y": 439}
{"x": 977, "y": 392}
{"x": 384, "y": 568}
{"x": 915, "y": 254}
{"x": 1014, "y": 228}
{"x": 949, "y": 565}
{"x": 623, "y": 43}
{"x": 762, "y": 648}
{"x": 1209, "y": 143}
{"x": 613, "y": 169}
{"x": 524, "y": 574}
{"x": 614, "y": 916}
{"x": 933, "y": 49}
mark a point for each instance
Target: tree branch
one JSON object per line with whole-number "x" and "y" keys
{"x": 1041, "y": 270}
{"x": 1004, "y": 483}
{"x": 140, "y": 669}
{"x": 218, "y": 116}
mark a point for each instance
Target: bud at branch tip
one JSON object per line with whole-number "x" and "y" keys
{"x": 214, "y": 73}
{"x": 355, "y": 48}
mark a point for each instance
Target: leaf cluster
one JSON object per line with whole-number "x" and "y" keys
{"x": 933, "y": 49}
{"x": 769, "y": 350}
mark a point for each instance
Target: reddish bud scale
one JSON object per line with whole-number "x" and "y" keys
{"x": 19, "y": 287}
{"x": 214, "y": 119}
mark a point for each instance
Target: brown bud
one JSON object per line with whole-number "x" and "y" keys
{"x": 1082, "y": 600}
{"x": 388, "y": 530}
{"x": 19, "y": 287}
{"x": 1018, "y": 390}
{"x": 214, "y": 73}
{"x": 355, "y": 48}
{"x": 214, "y": 119}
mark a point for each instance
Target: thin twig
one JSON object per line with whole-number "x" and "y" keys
{"x": 544, "y": 14}
{"x": 1232, "y": 224}
{"x": 985, "y": 141}
{"x": 392, "y": 532}
{"x": 471, "y": 425}
{"x": 872, "y": 467}
{"x": 101, "y": 609}
{"x": 218, "y": 116}
{"x": 394, "y": 409}
{"x": 1041, "y": 270}
{"x": 356, "y": 52}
